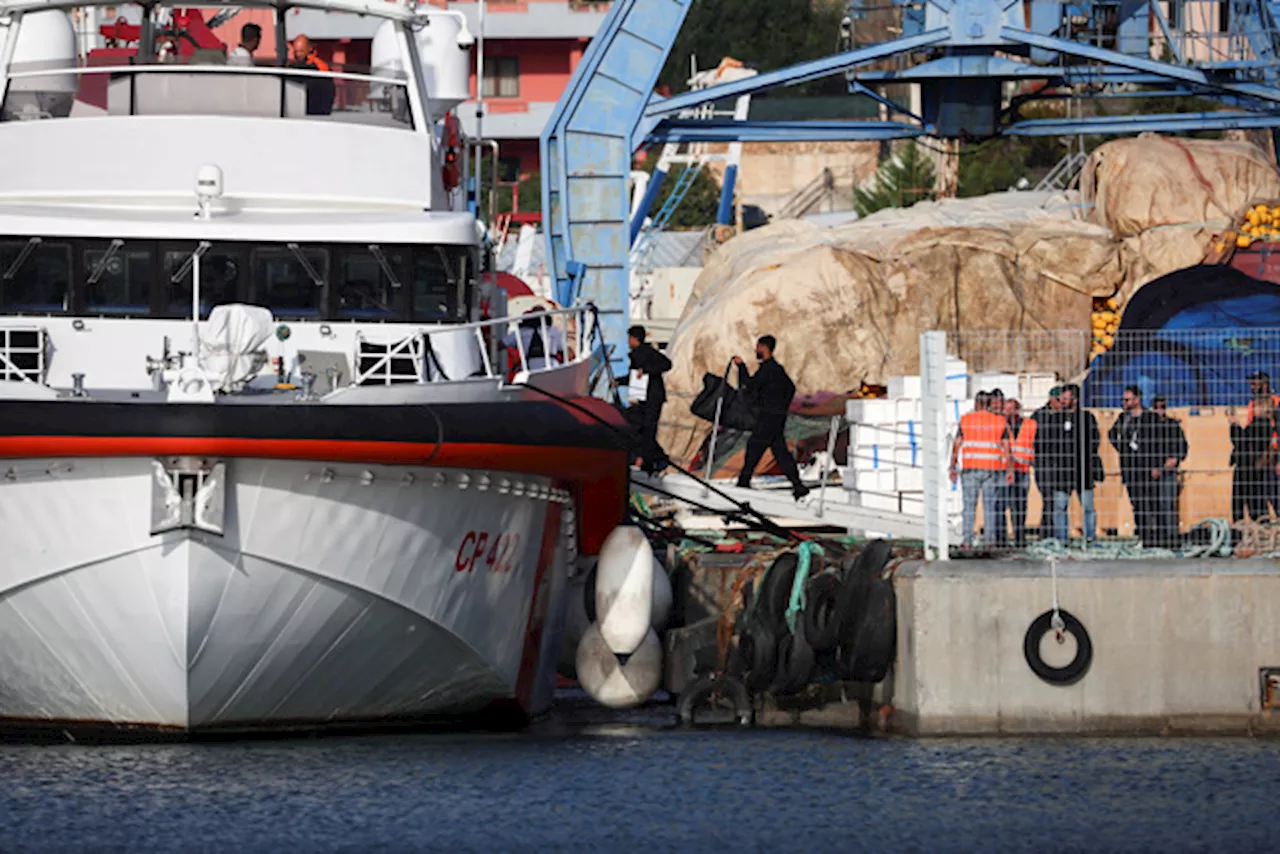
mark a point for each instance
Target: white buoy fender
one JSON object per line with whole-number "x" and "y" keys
{"x": 624, "y": 589}
{"x": 662, "y": 597}
{"x": 610, "y": 682}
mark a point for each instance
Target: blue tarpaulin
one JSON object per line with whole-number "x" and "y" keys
{"x": 1193, "y": 336}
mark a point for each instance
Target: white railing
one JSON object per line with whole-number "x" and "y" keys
{"x": 569, "y": 336}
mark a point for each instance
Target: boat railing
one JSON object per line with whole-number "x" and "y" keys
{"x": 567, "y": 337}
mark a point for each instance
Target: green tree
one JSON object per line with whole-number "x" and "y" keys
{"x": 765, "y": 34}
{"x": 698, "y": 208}
{"x": 900, "y": 182}
{"x": 999, "y": 164}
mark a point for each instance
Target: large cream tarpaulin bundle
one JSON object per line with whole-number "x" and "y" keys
{"x": 1166, "y": 198}
{"x": 848, "y": 304}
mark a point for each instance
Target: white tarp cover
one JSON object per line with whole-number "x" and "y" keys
{"x": 231, "y": 343}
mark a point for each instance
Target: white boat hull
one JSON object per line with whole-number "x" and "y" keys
{"x": 335, "y": 594}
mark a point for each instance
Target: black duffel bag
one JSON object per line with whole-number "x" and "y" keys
{"x": 735, "y": 412}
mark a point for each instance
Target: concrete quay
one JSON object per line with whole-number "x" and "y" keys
{"x": 1179, "y": 647}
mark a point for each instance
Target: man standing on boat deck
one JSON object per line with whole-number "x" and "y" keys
{"x": 320, "y": 90}
{"x": 250, "y": 39}
{"x": 646, "y": 395}
{"x": 768, "y": 393}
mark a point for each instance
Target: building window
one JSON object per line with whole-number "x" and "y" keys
{"x": 501, "y": 77}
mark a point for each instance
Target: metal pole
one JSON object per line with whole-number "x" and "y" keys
{"x": 711, "y": 449}
{"x": 479, "y": 102}
{"x": 826, "y": 464}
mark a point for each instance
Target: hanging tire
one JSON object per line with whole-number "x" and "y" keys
{"x": 795, "y": 663}
{"x": 869, "y": 654}
{"x": 758, "y": 648}
{"x": 822, "y": 611}
{"x": 858, "y": 574}
{"x": 711, "y": 694}
{"x": 775, "y": 592}
{"x": 1079, "y": 666}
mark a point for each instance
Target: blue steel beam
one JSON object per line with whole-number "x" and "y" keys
{"x": 1163, "y": 69}
{"x": 799, "y": 73}
{"x": 1165, "y": 122}
{"x": 586, "y": 153}
{"x": 727, "y": 130}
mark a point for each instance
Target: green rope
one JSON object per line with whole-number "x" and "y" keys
{"x": 807, "y": 551}
{"x": 1219, "y": 545}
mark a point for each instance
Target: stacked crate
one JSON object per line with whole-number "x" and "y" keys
{"x": 885, "y": 457}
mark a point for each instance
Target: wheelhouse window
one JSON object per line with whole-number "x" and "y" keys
{"x": 369, "y": 283}
{"x": 220, "y": 270}
{"x": 117, "y": 278}
{"x": 439, "y": 277}
{"x": 291, "y": 280}
{"x": 35, "y": 275}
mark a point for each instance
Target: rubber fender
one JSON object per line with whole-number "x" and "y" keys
{"x": 611, "y": 682}
{"x": 663, "y": 596}
{"x": 759, "y": 651}
{"x": 715, "y": 694}
{"x": 822, "y": 611}
{"x": 624, "y": 589}
{"x": 795, "y": 663}
{"x": 870, "y": 653}
{"x": 858, "y": 573}
{"x": 1079, "y": 666}
{"x": 775, "y": 593}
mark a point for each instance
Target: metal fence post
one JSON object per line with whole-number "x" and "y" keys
{"x": 711, "y": 449}
{"x": 826, "y": 463}
{"x": 933, "y": 375}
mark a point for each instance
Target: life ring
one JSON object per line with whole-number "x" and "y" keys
{"x": 715, "y": 693}
{"x": 822, "y": 611}
{"x": 1079, "y": 666}
{"x": 868, "y": 655}
{"x": 452, "y": 140}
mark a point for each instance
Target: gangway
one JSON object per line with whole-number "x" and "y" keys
{"x": 831, "y": 507}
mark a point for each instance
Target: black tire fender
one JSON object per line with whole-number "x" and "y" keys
{"x": 822, "y": 611}
{"x": 715, "y": 692}
{"x": 869, "y": 655}
{"x": 858, "y": 574}
{"x": 1079, "y": 666}
{"x": 759, "y": 651}
{"x": 775, "y": 592}
{"x": 795, "y": 663}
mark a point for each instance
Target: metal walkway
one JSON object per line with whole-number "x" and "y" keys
{"x": 834, "y": 509}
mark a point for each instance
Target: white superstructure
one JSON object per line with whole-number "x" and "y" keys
{"x": 264, "y": 457}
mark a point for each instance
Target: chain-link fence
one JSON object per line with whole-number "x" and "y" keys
{"x": 1166, "y": 439}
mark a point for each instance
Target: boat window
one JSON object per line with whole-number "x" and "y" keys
{"x": 219, "y": 279}
{"x": 435, "y": 284}
{"x": 117, "y": 278}
{"x": 368, "y": 283}
{"x": 35, "y": 275}
{"x": 290, "y": 280}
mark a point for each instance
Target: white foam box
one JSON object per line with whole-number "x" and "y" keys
{"x": 876, "y": 481}
{"x": 867, "y": 435}
{"x": 904, "y": 456}
{"x": 910, "y": 479}
{"x": 907, "y": 409}
{"x": 957, "y": 378}
{"x": 870, "y": 411}
{"x": 1007, "y": 383}
{"x": 905, "y": 386}
{"x": 868, "y": 459}
{"x": 1036, "y": 385}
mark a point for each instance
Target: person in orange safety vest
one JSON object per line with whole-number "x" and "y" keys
{"x": 981, "y": 458}
{"x": 1022, "y": 447}
{"x": 320, "y": 90}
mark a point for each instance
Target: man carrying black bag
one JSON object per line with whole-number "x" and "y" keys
{"x": 769, "y": 393}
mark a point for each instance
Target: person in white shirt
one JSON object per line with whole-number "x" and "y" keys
{"x": 543, "y": 342}
{"x": 250, "y": 39}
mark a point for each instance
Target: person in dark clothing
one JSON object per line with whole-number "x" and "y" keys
{"x": 1067, "y": 461}
{"x": 1257, "y": 459}
{"x": 320, "y": 90}
{"x": 769, "y": 393}
{"x": 646, "y": 395}
{"x": 1171, "y": 451}
{"x": 1136, "y": 438}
